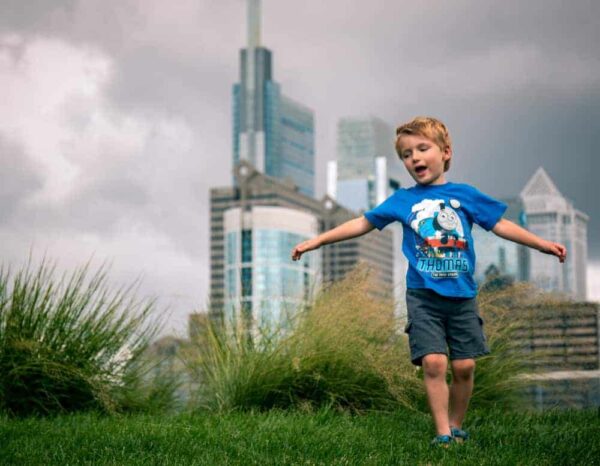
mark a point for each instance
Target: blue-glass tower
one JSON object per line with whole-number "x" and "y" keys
{"x": 272, "y": 132}
{"x": 367, "y": 169}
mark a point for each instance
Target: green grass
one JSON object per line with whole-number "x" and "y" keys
{"x": 294, "y": 437}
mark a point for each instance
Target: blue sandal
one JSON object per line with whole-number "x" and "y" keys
{"x": 442, "y": 441}
{"x": 459, "y": 435}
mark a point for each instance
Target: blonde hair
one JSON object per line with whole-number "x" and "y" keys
{"x": 427, "y": 127}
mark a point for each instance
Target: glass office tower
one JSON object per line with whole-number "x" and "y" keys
{"x": 367, "y": 169}
{"x": 272, "y": 132}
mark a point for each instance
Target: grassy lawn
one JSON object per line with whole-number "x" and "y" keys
{"x": 278, "y": 438}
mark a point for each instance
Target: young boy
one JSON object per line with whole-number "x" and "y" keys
{"x": 437, "y": 217}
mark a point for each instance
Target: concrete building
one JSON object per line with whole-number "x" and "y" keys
{"x": 564, "y": 340}
{"x": 550, "y": 215}
{"x": 562, "y": 336}
{"x": 254, "y": 226}
{"x": 272, "y": 132}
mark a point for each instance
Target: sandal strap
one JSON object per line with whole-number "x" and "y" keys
{"x": 456, "y": 432}
{"x": 442, "y": 439}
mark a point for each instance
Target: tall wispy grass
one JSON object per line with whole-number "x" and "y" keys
{"x": 70, "y": 343}
{"x": 347, "y": 351}
{"x": 343, "y": 351}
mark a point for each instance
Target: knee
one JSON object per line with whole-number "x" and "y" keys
{"x": 463, "y": 369}
{"x": 435, "y": 365}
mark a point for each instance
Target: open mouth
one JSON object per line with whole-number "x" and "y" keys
{"x": 420, "y": 170}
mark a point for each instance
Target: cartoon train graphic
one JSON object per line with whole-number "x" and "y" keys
{"x": 439, "y": 227}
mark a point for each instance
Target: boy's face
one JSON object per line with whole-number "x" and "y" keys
{"x": 423, "y": 159}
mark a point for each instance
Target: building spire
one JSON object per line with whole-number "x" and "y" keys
{"x": 253, "y": 24}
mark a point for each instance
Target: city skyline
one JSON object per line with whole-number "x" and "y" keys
{"x": 117, "y": 115}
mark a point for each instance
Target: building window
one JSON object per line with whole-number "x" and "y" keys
{"x": 232, "y": 239}
{"x": 539, "y": 219}
{"x": 231, "y": 282}
{"x": 246, "y": 281}
{"x": 246, "y": 245}
{"x": 502, "y": 259}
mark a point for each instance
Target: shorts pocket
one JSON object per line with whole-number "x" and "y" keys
{"x": 481, "y": 326}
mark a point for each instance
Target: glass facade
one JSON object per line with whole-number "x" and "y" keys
{"x": 287, "y": 126}
{"x": 260, "y": 276}
{"x": 272, "y": 129}
{"x": 297, "y": 145}
{"x": 236, "y": 112}
{"x": 355, "y": 149}
{"x": 368, "y": 169}
{"x": 359, "y": 141}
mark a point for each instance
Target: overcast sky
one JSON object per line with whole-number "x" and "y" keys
{"x": 116, "y": 114}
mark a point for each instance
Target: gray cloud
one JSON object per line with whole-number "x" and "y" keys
{"x": 518, "y": 84}
{"x": 20, "y": 181}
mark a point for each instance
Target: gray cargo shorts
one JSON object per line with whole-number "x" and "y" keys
{"x": 437, "y": 322}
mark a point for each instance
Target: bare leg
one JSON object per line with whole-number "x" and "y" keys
{"x": 461, "y": 389}
{"x": 434, "y": 371}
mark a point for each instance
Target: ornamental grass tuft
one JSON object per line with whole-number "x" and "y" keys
{"x": 343, "y": 351}
{"x": 348, "y": 351}
{"x": 72, "y": 344}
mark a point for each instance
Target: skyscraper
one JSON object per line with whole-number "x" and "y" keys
{"x": 367, "y": 169}
{"x": 553, "y": 217}
{"x": 271, "y": 131}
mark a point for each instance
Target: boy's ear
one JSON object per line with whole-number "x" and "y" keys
{"x": 448, "y": 153}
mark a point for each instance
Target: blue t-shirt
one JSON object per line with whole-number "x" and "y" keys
{"x": 437, "y": 222}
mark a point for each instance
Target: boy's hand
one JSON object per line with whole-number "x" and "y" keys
{"x": 556, "y": 249}
{"x": 303, "y": 247}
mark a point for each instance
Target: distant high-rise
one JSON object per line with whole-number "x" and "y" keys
{"x": 554, "y": 218}
{"x": 272, "y": 132}
{"x": 254, "y": 227}
{"x": 367, "y": 170}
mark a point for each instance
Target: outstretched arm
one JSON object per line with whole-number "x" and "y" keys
{"x": 351, "y": 229}
{"x": 511, "y": 231}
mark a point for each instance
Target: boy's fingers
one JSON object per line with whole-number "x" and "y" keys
{"x": 296, "y": 253}
{"x": 560, "y": 251}
{"x": 301, "y": 249}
